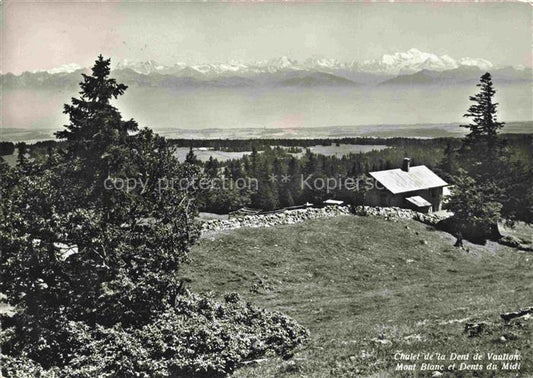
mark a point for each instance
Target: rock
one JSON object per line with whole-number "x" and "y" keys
{"x": 381, "y": 341}
{"x": 508, "y": 316}
{"x": 510, "y": 241}
{"x": 474, "y": 329}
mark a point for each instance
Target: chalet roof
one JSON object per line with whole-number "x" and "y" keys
{"x": 417, "y": 178}
{"x": 418, "y": 201}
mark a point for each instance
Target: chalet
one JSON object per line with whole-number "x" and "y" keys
{"x": 417, "y": 188}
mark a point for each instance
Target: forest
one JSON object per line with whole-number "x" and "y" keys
{"x": 272, "y": 161}
{"x": 273, "y": 164}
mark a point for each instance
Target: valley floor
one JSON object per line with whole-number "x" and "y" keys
{"x": 367, "y": 288}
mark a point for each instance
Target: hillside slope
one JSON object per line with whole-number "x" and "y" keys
{"x": 367, "y": 288}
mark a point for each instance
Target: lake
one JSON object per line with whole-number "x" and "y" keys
{"x": 276, "y": 112}
{"x": 333, "y": 150}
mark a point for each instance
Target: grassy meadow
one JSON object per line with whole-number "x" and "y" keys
{"x": 367, "y": 288}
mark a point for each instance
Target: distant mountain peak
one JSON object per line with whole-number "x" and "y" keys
{"x": 414, "y": 60}
{"x": 329, "y": 63}
{"x": 145, "y": 67}
{"x": 64, "y": 68}
{"x": 282, "y": 62}
{"x": 482, "y": 64}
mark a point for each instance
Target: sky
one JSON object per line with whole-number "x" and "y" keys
{"x": 43, "y": 35}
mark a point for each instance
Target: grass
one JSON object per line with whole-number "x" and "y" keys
{"x": 367, "y": 288}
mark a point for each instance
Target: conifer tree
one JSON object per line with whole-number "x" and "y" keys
{"x": 191, "y": 157}
{"x": 484, "y": 125}
{"x": 479, "y": 191}
{"x": 96, "y": 134}
{"x": 449, "y": 164}
{"x": 22, "y": 149}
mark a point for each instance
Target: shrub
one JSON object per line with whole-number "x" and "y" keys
{"x": 196, "y": 336}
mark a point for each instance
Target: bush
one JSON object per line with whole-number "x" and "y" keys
{"x": 474, "y": 232}
{"x": 196, "y": 336}
{"x": 475, "y": 207}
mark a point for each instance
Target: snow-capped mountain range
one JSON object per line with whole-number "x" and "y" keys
{"x": 410, "y": 61}
{"x": 64, "y": 68}
{"x": 412, "y": 67}
{"x": 415, "y": 60}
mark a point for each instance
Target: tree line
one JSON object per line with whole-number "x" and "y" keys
{"x": 270, "y": 166}
{"x": 271, "y": 162}
{"x": 240, "y": 145}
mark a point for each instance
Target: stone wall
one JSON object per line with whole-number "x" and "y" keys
{"x": 269, "y": 220}
{"x": 300, "y": 215}
{"x": 399, "y": 213}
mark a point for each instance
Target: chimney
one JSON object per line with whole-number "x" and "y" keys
{"x": 405, "y": 165}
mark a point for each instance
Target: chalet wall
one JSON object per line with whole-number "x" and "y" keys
{"x": 383, "y": 197}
